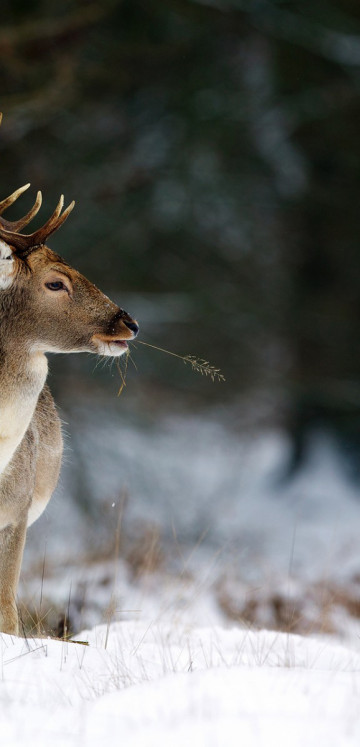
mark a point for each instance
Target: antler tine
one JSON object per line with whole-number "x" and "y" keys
{"x": 17, "y": 240}
{"x": 30, "y": 215}
{"x": 15, "y": 225}
{"x": 51, "y": 225}
{"x": 39, "y": 236}
{"x": 61, "y": 219}
{"x": 4, "y": 204}
{"x": 25, "y": 243}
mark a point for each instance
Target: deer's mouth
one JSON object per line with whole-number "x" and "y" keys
{"x": 107, "y": 345}
{"x": 119, "y": 343}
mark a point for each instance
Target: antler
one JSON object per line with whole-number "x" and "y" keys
{"x": 24, "y": 244}
{"x": 15, "y": 225}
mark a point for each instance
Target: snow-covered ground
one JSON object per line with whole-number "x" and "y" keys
{"x": 208, "y": 524}
{"x": 148, "y": 684}
{"x": 199, "y": 477}
{"x": 193, "y": 550}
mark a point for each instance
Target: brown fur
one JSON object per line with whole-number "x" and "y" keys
{"x": 35, "y": 319}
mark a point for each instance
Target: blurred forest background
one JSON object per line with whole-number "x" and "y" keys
{"x": 213, "y": 151}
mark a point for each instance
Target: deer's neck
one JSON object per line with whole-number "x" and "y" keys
{"x": 21, "y": 381}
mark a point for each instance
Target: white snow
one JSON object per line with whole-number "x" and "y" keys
{"x": 145, "y": 684}
{"x": 223, "y": 515}
{"x": 199, "y": 476}
{"x": 171, "y": 672}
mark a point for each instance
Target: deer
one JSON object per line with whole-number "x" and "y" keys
{"x": 46, "y": 306}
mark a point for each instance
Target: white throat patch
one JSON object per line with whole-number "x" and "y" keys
{"x": 7, "y": 266}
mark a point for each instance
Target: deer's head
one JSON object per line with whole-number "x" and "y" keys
{"x": 48, "y": 305}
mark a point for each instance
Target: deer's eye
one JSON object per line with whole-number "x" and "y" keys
{"x": 57, "y": 285}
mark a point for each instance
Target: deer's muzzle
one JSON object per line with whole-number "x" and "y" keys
{"x": 114, "y": 341}
{"x": 123, "y": 318}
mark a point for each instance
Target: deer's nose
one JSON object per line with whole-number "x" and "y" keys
{"x": 133, "y": 326}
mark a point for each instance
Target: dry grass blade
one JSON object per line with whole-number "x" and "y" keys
{"x": 203, "y": 367}
{"x": 197, "y": 364}
{"x": 123, "y": 374}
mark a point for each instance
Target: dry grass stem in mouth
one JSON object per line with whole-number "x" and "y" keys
{"x": 123, "y": 373}
{"x": 197, "y": 364}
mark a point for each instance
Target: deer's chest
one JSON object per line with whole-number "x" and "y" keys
{"x": 17, "y": 405}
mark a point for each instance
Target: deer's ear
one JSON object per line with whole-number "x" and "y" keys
{"x": 7, "y": 266}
